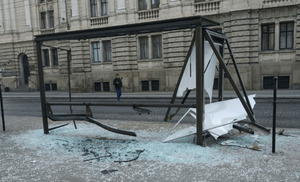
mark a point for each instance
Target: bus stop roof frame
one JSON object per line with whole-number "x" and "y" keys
{"x": 195, "y": 22}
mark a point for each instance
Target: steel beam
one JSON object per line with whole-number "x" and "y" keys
{"x": 42, "y": 85}
{"x": 238, "y": 74}
{"x": 180, "y": 77}
{"x": 221, "y": 62}
{"x": 199, "y": 41}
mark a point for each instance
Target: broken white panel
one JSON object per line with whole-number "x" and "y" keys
{"x": 188, "y": 80}
{"x": 181, "y": 133}
{"x": 209, "y": 75}
{"x": 219, "y": 118}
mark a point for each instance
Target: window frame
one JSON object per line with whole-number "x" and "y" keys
{"x": 51, "y": 19}
{"x": 143, "y": 5}
{"x": 150, "y": 47}
{"x": 156, "y": 46}
{"x": 54, "y": 56}
{"x": 155, "y": 4}
{"x": 104, "y": 7}
{"x": 144, "y": 47}
{"x": 286, "y": 36}
{"x": 97, "y": 50}
{"x": 46, "y": 57}
{"x": 267, "y": 35}
{"x": 43, "y": 16}
{"x": 106, "y": 51}
{"x": 94, "y": 8}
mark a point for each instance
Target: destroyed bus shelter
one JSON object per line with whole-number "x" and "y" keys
{"x": 196, "y": 23}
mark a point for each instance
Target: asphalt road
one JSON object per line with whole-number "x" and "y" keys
{"x": 287, "y": 115}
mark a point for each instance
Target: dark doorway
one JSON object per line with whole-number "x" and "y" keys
{"x": 26, "y": 72}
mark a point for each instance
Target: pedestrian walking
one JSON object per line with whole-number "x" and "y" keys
{"x": 118, "y": 86}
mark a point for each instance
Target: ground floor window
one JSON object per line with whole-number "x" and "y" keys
{"x": 283, "y": 82}
{"x": 97, "y": 86}
{"x": 153, "y": 84}
{"x": 50, "y": 86}
{"x": 106, "y": 87}
{"x": 150, "y": 47}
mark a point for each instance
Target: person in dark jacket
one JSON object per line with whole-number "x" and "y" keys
{"x": 118, "y": 86}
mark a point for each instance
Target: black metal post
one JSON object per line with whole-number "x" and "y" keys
{"x": 69, "y": 83}
{"x": 274, "y": 114}
{"x": 179, "y": 79}
{"x": 230, "y": 78}
{"x": 2, "y": 111}
{"x": 221, "y": 78}
{"x": 42, "y": 86}
{"x": 199, "y": 41}
{"x": 239, "y": 75}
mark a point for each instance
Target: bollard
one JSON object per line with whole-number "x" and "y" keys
{"x": 2, "y": 112}
{"x": 274, "y": 114}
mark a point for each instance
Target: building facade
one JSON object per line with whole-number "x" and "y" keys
{"x": 264, "y": 36}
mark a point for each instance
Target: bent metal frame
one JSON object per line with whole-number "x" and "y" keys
{"x": 197, "y": 23}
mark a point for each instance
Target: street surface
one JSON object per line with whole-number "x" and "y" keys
{"x": 287, "y": 115}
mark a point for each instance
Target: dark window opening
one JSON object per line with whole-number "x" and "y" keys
{"x": 145, "y": 85}
{"x": 54, "y": 57}
{"x": 142, "y": 4}
{"x": 156, "y": 47}
{"x": 104, "y": 7}
{"x": 106, "y": 51}
{"x": 51, "y": 86}
{"x": 155, "y": 3}
{"x": 43, "y": 20}
{"x": 283, "y": 82}
{"x": 46, "y": 57}
{"x": 268, "y": 37}
{"x": 144, "y": 50}
{"x": 106, "y": 87}
{"x": 47, "y": 87}
{"x": 216, "y": 84}
{"x": 94, "y": 8}
{"x": 155, "y": 85}
{"x": 286, "y": 35}
{"x": 51, "y": 19}
{"x": 97, "y": 86}
{"x": 96, "y": 52}
{"x": 54, "y": 86}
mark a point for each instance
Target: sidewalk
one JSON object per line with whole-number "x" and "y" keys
{"x": 93, "y": 154}
{"x": 290, "y": 94}
{"x": 90, "y": 153}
